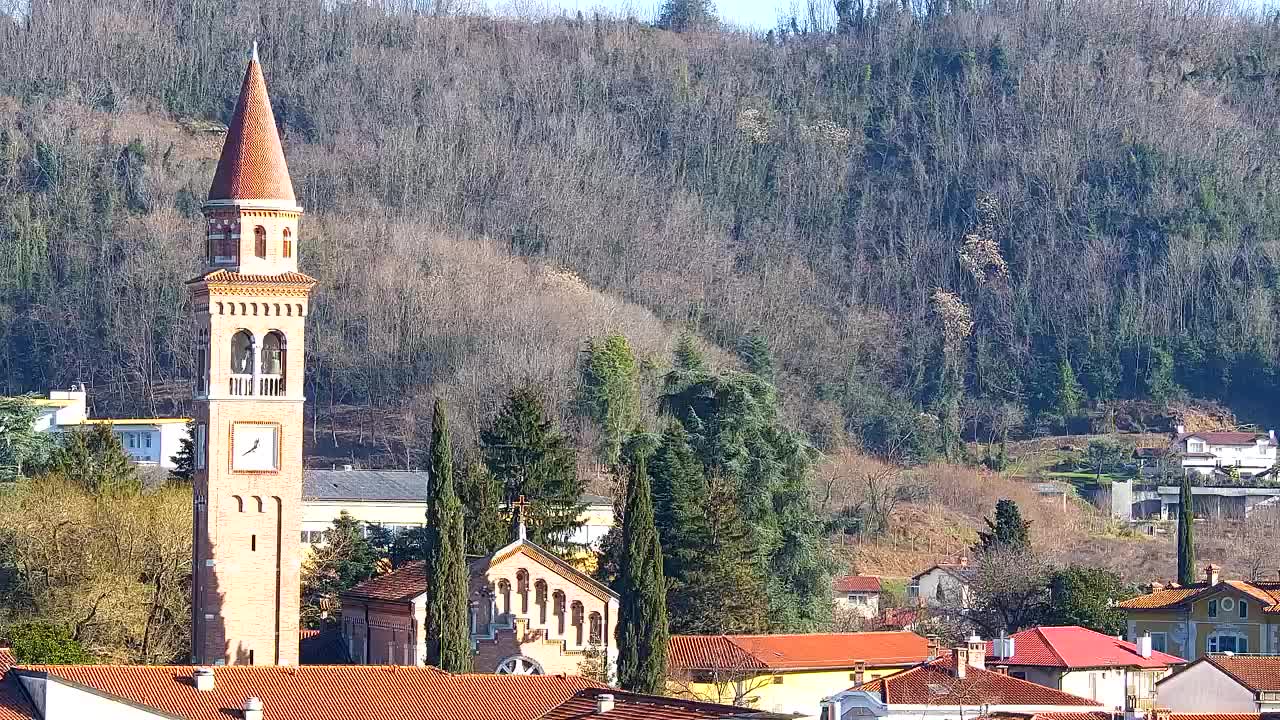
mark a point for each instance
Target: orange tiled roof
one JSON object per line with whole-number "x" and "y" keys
{"x": 857, "y": 583}
{"x": 13, "y": 701}
{"x": 1217, "y": 716}
{"x": 934, "y": 683}
{"x": 630, "y": 706}
{"x": 1160, "y": 599}
{"x": 401, "y": 585}
{"x": 1257, "y": 672}
{"x": 252, "y": 165}
{"x": 1266, "y": 593}
{"x": 228, "y": 276}
{"x": 337, "y": 692}
{"x": 796, "y": 652}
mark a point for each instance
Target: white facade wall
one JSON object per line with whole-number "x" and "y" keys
{"x": 956, "y": 593}
{"x": 56, "y": 700}
{"x": 1203, "y": 688}
{"x": 1108, "y": 686}
{"x": 1250, "y": 458}
{"x": 865, "y": 605}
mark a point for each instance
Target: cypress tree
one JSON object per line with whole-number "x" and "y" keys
{"x": 642, "y": 618}
{"x": 1186, "y": 534}
{"x": 482, "y": 510}
{"x": 608, "y": 392}
{"x": 1008, "y": 531}
{"x": 449, "y": 632}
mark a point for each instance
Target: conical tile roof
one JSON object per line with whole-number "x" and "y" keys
{"x": 252, "y": 165}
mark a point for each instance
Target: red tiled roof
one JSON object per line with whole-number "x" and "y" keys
{"x": 1217, "y": 716}
{"x": 857, "y": 583}
{"x": 13, "y": 700}
{"x": 329, "y": 692}
{"x": 1259, "y": 673}
{"x": 252, "y": 165}
{"x": 1094, "y": 715}
{"x": 894, "y": 618}
{"x": 934, "y": 683}
{"x": 228, "y": 277}
{"x": 629, "y": 706}
{"x": 401, "y": 585}
{"x": 796, "y": 652}
{"x": 1217, "y": 437}
{"x": 1077, "y": 647}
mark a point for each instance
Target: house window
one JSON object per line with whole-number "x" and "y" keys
{"x": 146, "y": 440}
{"x": 1195, "y": 446}
{"x": 1213, "y": 608}
{"x": 1160, "y": 642}
{"x": 260, "y": 241}
{"x": 1244, "y": 609}
{"x": 1019, "y": 674}
{"x": 286, "y": 249}
{"x": 1228, "y": 642}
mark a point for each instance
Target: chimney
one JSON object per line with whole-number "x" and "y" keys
{"x": 1156, "y": 586}
{"x": 604, "y": 703}
{"x": 860, "y": 672}
{"x": 960, "y": 656}
{"x": 1161, "y": 713}
{"x": 253, "y": 709}
{"x": 1144, "y": 645}
{"x": 1211, "y": 574}
{"x": 935, "y": 646}
{"x": 202, "y": 678}
{"x": 977, "y": 652}
{"x": 1180, "y": 429}
{"x": 1272, "y": 435}
{"x": 1002, "y": 669}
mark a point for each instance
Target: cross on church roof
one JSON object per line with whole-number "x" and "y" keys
{"x": 519, "y": 506}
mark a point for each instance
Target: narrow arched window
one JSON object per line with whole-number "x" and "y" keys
{"x": 522, "y": 589}
{"x": 242, "y": 353}
{"x": 576, "y": 612}
{"x": 540, "y": 599}
{"x": 260, "y": 241}
{"x": 272, "y": 365}
{"x": 597, "y": 629}
{"x": 557, "y": 609}
{"x": 504, "y": 589}
{"x": 286, "y": 248}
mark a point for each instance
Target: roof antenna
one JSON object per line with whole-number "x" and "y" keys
{"x": 253, "y": 57}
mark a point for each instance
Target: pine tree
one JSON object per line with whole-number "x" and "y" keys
{"x": 754, "y": 352}
{"x": 184, "y": 461}
{"x": 482, "y": 510}
{"x": 1186, "y": 534}
{"x": 529, "y": 457}
{"x": 642, "y": 618}
{"x": 449, "y": 633}
{"x": 1067, "y": 393}
{"x": 1007, "y": 531}
{"x": 608, "y": 392}
{"x": 95, "y": 460}
{"x": 688, "y": 356}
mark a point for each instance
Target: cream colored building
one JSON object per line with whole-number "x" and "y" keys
{"x": 147, "y": 441}
{"x": 397, "y": 500}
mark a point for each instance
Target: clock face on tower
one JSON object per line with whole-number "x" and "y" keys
{"x": 255, "y": 447}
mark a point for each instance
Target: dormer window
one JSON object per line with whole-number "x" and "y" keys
{"x": 1195, "y": 446}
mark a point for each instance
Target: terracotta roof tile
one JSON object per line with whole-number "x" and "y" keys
{"x": 934, "y": 683}
{"x": 629, "y": 706}
{"x": 1160, "y": 599}
{"x": 1256, "y": 672}
{"x": 252, "y": 165}
{"x": 1077, "y": 647}
{"x": 1218, "y": 716}
{"x": 401, "y": 585}
{"x": 796, "y": 652}
{"x": 13, "y": 700}
{"x": 1265, "y": 592}
{"x": 228, "y": 276}
{"x": 337, "y": 692}
{"x": 1216, "y": 437}
{"x": 857, "y": 583}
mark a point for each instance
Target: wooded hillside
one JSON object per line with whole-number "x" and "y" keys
{"x": 1091, "y": 182}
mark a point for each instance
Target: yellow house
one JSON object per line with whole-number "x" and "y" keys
{"x": 785, "y": 673}
{"x": 1211, "y": 616}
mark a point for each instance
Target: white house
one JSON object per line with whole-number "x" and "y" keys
{"x": 1224, "y": 684}
{"x": 397, "y": 500}
{"x": 149, "y": 441}
{"x": 1208, "y": 453}
{"x": 955, "y": 687}
{"x": 943, "y": 585}
{"x": 857, "y": 594}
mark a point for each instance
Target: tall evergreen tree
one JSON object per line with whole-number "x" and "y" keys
{"x": 529, "y": 457}
{"x": 608, "y": 392}
{"x": 754, "y": 352}
{"x": 449, "y": 631}
{"x": 688, "y": 356}
{"x": 1186, "y": 534}
{"x": 22, "y": 449}
{"x": 95, "y": 460}
{"x": 642, "y": 618}
{"x": 482, "y": 510}
{"x": 1067, "y": 393}
{"x": 1006, "y": 531}
{"x": 184, "y": 461}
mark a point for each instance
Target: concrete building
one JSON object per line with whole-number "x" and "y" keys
{"x": 149, "y": 441}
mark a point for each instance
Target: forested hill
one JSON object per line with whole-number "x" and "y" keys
{"x": 1093, "y": 185}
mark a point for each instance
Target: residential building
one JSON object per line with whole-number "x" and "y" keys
{"x": 1213, "y": 453}
{"x": 250, "y": 304}
{"x": 1211, "y": 616}
{"x": 397, "y": 500}
{"x": 114, "y": 692}
{"x": 1119, "y": 675}
{"x": 857, "y": 594}
{"x": 531, "y": 613}
{"x": 1224, "y": 684}
{"x": 149, "y": 441}
{"x": 943, "y": 585}
{"x": 955, "y": 687}
{"x": 785, "y": 673}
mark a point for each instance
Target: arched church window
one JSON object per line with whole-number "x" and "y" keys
{"x": 504, "y": 589}
{"x": 242, "y": 353}
{"x": 202, "y": 361}
{"x": 540, "y": 599}
{"x": 577, "y": 622}
{"x": 519, "y": 665}
{"x": 557, "y": 609}
{"x": 522, "y": 588}
{"x": 260, "y": 241}
{"x": 286, "y": 248}
{"x": 272, "y": 365}
{"x": 596, "y": 629}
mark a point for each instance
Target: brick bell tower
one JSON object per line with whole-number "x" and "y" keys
{"x": 250, "y": 309}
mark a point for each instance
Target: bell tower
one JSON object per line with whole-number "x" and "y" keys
{"x": 250, "y": 308}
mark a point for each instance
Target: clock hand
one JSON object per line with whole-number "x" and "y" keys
{"x": 256, "y": 443}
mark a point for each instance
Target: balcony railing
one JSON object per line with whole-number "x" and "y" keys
{"x": 268, "y": 385}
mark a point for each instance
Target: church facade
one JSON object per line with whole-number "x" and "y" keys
{"x": 250, "y": 307}
{"x": 531, "y": 614}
